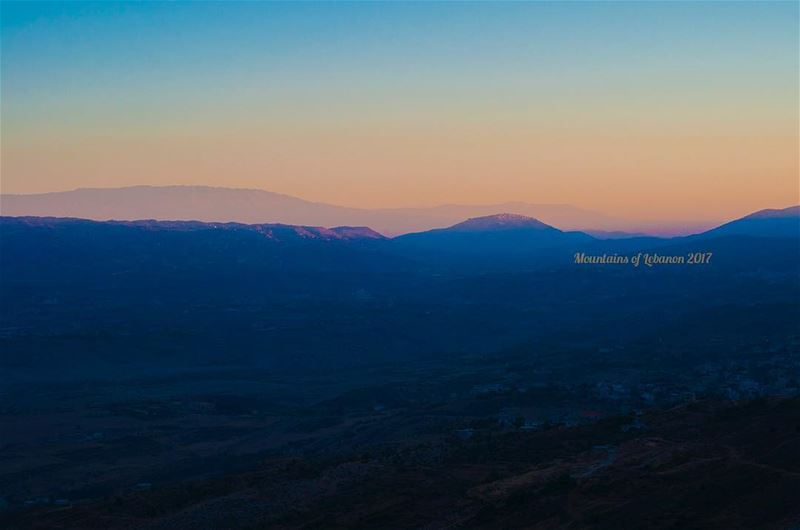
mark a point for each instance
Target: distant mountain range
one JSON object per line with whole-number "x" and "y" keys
{"x": 270, "y": 231}
{"x": 200, "y": 203}
{"x": 501, "y": 241}
{"x": 298, "y": 295}
{"x": 503, "y": 230}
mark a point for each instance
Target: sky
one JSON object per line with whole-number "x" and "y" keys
{"x": 643, "y": 110}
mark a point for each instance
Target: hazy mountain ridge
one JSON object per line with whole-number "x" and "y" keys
{"x": 251, "y": 206}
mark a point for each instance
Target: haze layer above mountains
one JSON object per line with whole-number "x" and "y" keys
{"x": 211, "y": 204}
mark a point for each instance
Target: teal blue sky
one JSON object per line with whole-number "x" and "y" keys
{"x": 270, "y": 85}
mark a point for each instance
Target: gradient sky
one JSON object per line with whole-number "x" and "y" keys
{"x": 647, "y": 110}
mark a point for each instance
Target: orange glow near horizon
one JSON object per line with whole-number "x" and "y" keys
{"x": 661, "y": 113}
{"x": 636, "y": 174}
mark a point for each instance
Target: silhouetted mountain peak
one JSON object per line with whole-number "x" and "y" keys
{"x": 501, "y": 221}
{"x": 763, "y": 223}
{"x": 357, "y": 232}
{"x": 770, "y": 213}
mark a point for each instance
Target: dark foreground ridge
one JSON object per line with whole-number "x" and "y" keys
{"x": 181, "y": 374}
{"x": 704, "y": 465}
